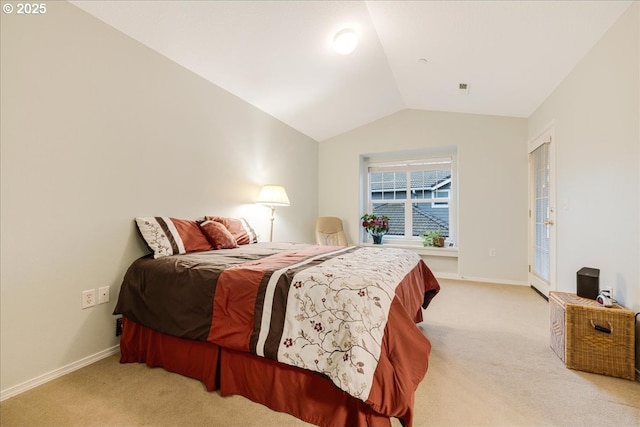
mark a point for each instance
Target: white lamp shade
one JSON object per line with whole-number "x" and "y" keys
{"x": 273, "y": 195}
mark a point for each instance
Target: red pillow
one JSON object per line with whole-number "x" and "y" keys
{"x": 238, "y": 227}
{"x": 218, "y": 235}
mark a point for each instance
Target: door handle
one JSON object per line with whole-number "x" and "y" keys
{"x": 548, "y": 222}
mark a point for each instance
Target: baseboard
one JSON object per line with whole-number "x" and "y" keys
{"x": 57, "y": 373}
{"x": 454, "y": 276}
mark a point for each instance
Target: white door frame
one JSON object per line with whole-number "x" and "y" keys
{"x": 541, "y": 284}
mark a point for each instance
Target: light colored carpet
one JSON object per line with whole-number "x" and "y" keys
{"x": 491, "y": 365}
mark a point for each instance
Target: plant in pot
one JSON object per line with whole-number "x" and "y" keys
{"x": 433, "y": 238}
{"x": 376, "y": 226}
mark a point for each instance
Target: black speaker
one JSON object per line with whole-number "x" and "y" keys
{"x": 588, "y": 282}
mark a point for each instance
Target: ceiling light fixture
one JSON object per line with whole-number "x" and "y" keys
{"x": 345, "y": 41}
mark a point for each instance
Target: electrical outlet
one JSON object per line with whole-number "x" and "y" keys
{"x": 492, "y": 251}
{"x": 88, "y": 298}
{"x": 103, "y": 295}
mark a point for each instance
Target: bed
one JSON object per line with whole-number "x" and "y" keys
{"x": 326, "y": 334}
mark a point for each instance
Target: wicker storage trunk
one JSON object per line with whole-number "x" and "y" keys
{"x": 592, "y": 338}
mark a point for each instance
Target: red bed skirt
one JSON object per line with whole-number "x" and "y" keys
{"x": 306, "y": 395}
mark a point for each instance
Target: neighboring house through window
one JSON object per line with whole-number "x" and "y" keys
{"x": 418, "y": 194}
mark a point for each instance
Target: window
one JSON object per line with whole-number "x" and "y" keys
{"x": 417, "y": 195}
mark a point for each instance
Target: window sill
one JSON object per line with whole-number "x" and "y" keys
{"x": 421, "y": 250}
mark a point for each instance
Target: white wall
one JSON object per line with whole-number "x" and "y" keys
{"x": 596, "y": 111}
{"x": 98, "y": 129}
{"x": 492, "y": 168}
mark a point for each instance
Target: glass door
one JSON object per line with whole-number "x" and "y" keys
{"x": 541, "y": 216}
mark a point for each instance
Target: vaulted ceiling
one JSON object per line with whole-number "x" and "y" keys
{"x": 278, "y": 56}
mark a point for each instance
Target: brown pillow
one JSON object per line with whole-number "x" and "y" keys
{"x": 238, "y": 227}
{"x": 218, "y": 235}
{"x": 170, "y": 236}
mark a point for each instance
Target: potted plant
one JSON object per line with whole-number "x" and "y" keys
{"x": 433, "y": 238}
{"x": 376, "y": 226}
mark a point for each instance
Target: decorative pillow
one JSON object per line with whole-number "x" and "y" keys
{"x": 170, "y": 236}
{"x": 218, "y": 235}
{"x": 238, "y": 227}
{"x": 253, "y": 236}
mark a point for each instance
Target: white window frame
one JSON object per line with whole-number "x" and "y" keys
{"x": 419, "y": 161}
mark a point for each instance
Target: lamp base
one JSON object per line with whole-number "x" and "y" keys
{"x": 273, "y": 217}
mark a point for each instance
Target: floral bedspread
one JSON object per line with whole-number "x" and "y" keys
{"x": 324, "y": 309}
{"x": 337, "y": 312}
